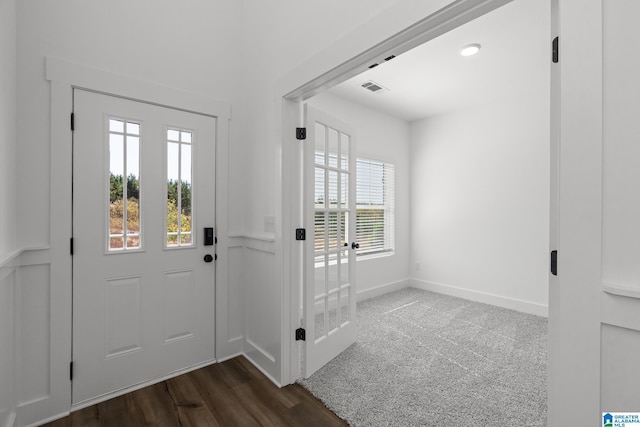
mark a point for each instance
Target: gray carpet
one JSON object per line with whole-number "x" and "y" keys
{"x": 426, "y": 359}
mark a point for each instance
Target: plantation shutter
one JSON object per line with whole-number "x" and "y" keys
{"x": 375, "y": 206}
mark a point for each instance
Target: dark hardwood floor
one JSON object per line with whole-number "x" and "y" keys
{"x": 232, "y": 393}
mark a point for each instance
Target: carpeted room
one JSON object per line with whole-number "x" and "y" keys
{"x": 423, "y": 357}
{"x": 471, "y": 212}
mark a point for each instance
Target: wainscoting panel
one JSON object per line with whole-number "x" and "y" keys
{"x": 620, "y": 347}
{"x": 235, "y": 296}
{"x": 7, "y": 361}
{"x": 28, "y": 372}
{"x": 230, "y": 277}
{"x": 263, "y": 297}
{"x": 619, "y": 381}
{"x": 34, "y": 337}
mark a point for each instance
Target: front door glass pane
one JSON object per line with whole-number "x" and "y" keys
{"x": 179, "y": 224}
{"x": 124, "y": 185}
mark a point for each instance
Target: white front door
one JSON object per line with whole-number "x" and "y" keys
{"x": 143, "y": 293}
{"x": 330, "y": 250}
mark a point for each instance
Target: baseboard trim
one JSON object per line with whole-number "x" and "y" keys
{"x": 382, "y": 289}
{"x": 111, "y": 395}
{"x": 229, "y": 357}
{"x": 49, "y": 420}
{"x": 11, "y": 420}
{"x": 248, "y": 356}
{"x": 483, "y": 297}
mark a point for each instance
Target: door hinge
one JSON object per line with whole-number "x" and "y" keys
{"x": 554, "y": 263}
{"x": 301, "y": 234}
{"x": 71, "y": 246}
{"x": 555, "y": 54}
{"x": 301, "y": 133}
{"x": 301, "y": 334}
{"x": 73, "y": 121}
{"x": 70, "y": 371}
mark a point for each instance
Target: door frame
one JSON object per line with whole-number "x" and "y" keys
{"x": 64, "y": 76}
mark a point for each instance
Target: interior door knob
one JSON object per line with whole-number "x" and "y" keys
{"x": 208, "y": 258}
{"x": 355, "y": 245}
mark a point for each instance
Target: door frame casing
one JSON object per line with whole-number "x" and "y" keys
{"x": 577, "y": 144}
{"x": 64, "y": 76}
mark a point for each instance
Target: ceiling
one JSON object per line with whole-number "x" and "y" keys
{"x": 434, "y": 78}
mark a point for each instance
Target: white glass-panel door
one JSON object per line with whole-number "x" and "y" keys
{"x": 330, "y": 249}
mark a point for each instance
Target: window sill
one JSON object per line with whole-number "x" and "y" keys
{"x": 375, "y": 255}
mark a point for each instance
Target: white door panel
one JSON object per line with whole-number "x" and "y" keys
{"x": 329, "y": 290}
{"x": 143, "y": 297}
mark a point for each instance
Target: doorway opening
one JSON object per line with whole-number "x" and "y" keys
{"x": 294, "y": 119}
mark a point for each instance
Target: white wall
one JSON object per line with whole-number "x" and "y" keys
{"x": 8, "y": 141}
{"x": 480, "y": 202}
{"x": 379, "y": 137}
{"x": 277, "y": 37}
{"x": 191, "y": 46}
{"x": 7, "y": 205}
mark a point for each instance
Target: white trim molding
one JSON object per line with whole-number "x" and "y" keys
{"x": 483, "y": 297}
{"x": 382, "y": 289}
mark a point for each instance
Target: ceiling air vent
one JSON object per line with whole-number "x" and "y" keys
{"x": 374, "y": 87}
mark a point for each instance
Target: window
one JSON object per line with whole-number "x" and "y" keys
{"x": 375, "y": 218}
{"x": 124, "y": 185}
{"x": 179, "y": 180}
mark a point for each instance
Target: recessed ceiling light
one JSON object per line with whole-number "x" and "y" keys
{"x": 470, "y": 49}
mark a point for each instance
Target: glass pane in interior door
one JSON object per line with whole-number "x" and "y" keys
{"x": 320, "y": 238}
{"x": 320, "y": 319}
{"x": 344, "y": 306}
{"x": 320, "y": 275}
{"x": 343, "y": 227}
{"x": 344, "y": 191}
{"x": 344, "y": 268}
{"x": 333, "y": 148}
{"x": 333, "y": 312}
{"x": 333, "y": 189}
{"x": 321, "y": 145}
{"x": 333, "y": 230}
{"x": 319, "y": 198}
{"x": 344, "y": 151}
{"x": 333, "y": 268}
